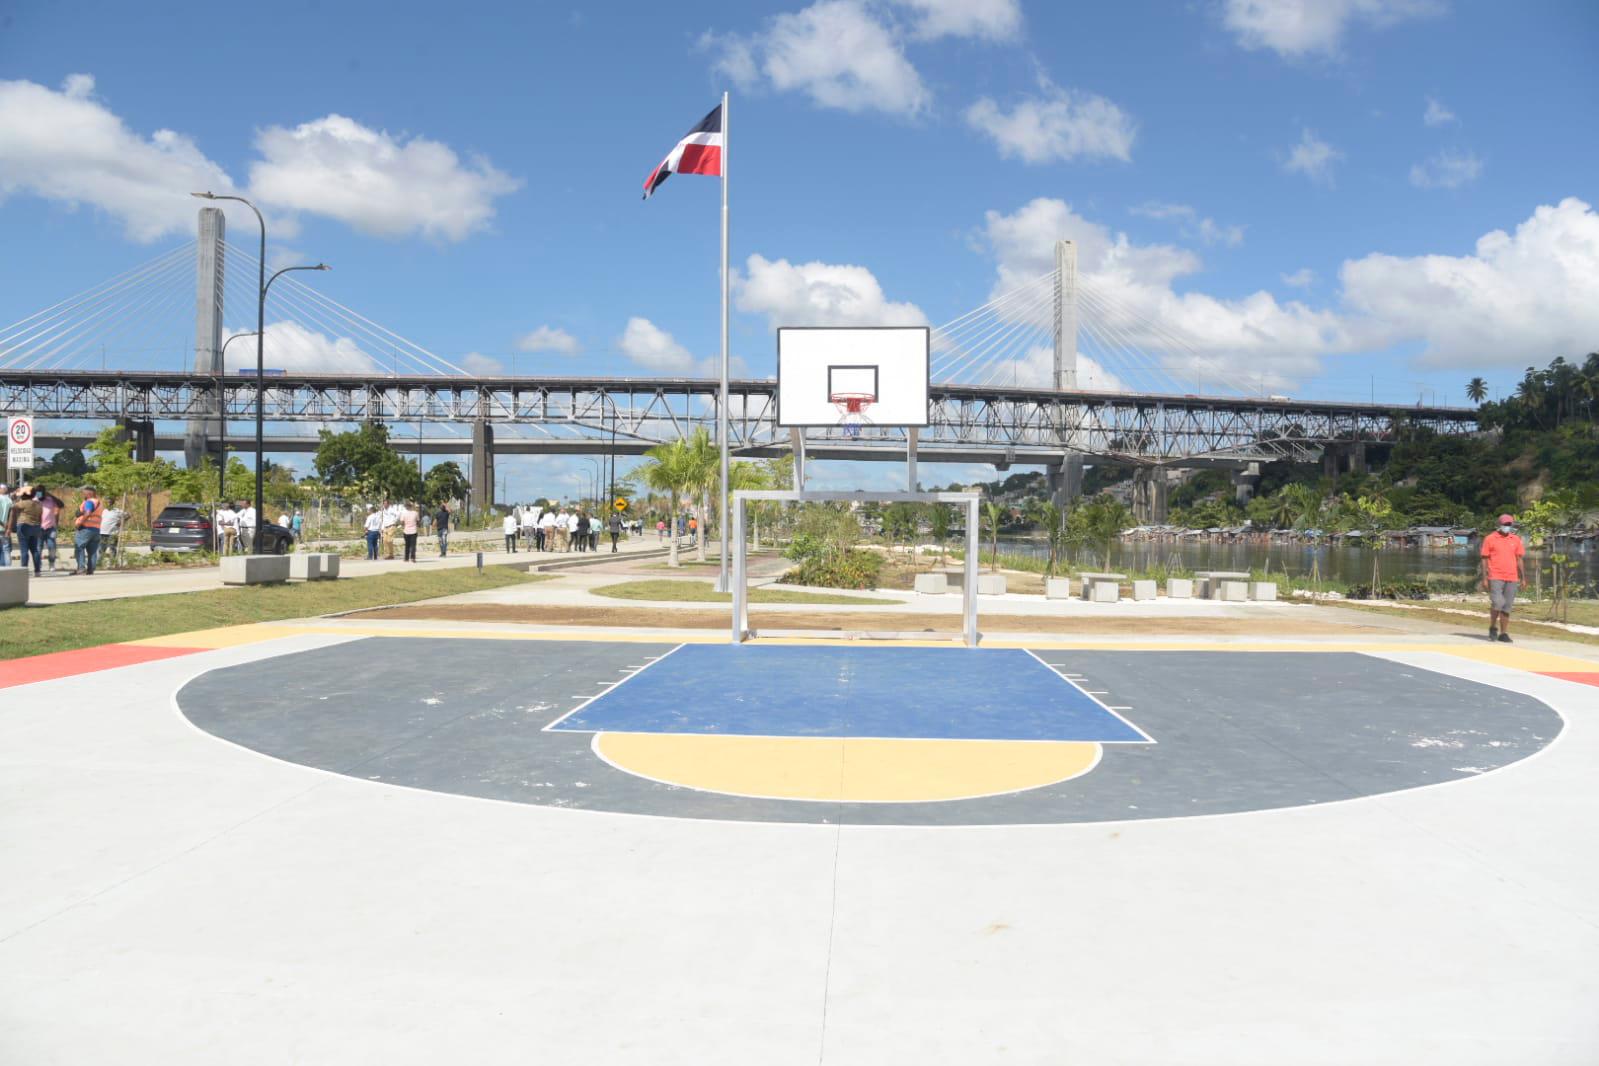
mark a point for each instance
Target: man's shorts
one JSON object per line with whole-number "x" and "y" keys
{"x": 1501, "y": 594}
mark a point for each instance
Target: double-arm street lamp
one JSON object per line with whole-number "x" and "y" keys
{"x": 260, "y": 357}
{"x": 595, "y": 483}
{"x": 222, "y": 414}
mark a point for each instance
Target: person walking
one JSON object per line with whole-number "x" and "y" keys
{"x": 410, "y": 526}
{"x": 660, "y": 529}
{"x": 614, "y": 524}
{"x": 247, "y": 528}
{"x": 86, "y": 533}
{"x": 509, "y": 528}
{"x": 227, "y": 528}
{"x": 6, "y": 503}
{"x": 49, "y": 519}
{"x": 374, "y": 533}
{"x": 547, "y": 531}
{"x": 26, "y": 514}
{"x": 297, "y": 526}
{"x": 582, "y": 529}
{"x": 441, "y": 523}
{"x": 111, "y": 534}
{"x": 528, "y": 522}
{"x": 1502, "y": 575}
{"x": 391, "y": 527}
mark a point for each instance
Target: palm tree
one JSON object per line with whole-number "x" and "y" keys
{"x": 705, "y": 464}
{"x": 1477, "y": 390}
{"x": 992, "y": 513}
{"x": 671, "y": 468}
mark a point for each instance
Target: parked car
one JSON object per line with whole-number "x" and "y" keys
{"x": 185, "y": 527}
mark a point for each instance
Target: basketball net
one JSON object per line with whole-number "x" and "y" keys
{"x": 852, "y": 410}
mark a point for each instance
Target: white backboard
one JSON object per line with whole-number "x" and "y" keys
{"x": 815, "y": 363}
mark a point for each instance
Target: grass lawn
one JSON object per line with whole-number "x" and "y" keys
{"x": 705, "y": 592}
{"x": 65, "y": 626}
{"x": 1523, "y": 622}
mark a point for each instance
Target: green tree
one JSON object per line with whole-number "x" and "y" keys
{"x": 1477, "y": 390}
{"x": 444, "y": 482}
{"x": 672, "y": 468}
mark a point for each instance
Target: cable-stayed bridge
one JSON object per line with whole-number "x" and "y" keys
{"x": 1049, "y": 372}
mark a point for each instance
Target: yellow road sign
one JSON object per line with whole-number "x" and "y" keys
{"x": 620, "y": 504}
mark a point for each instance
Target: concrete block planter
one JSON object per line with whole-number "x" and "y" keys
{"x": 991, "y": 584}
{"x": 1232, "y": 591}
{"x": 14, "y": 586}
{"x": 1263, "y": 590}
{"x": 1104, "y": 592}
{"x": 932, "y": 584}
{"x": 330, "y": 566}
{"x": 255, "y": 569}
{"x": 1179, "y": 588}
{"x": 305, "y": 567}
{"x": 1058, "y": 588}
{"x": 1143, "y": 590}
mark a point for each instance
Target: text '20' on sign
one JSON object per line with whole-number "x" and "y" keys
{"x": 19, "y": 442}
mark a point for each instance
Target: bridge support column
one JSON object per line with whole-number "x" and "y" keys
{"x": 1357, "y": 457}
{"x": 1151, "y": 487}
{"x": 200, "y": 434}
{"x": 1066, "y": 480}
{"x": 143, "y": 436}
{"x": 1244, "y": 482}
{"x": 482, "y": 466}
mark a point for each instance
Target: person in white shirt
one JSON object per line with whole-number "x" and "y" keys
{"x": 391, "y": 526}
{"x": 510, "y": 532}
{"x": 529, "y": 521}
{"x": 111, "y": 535}
{"x": 547, "y": 531}
{"x": 374, "y": 532}
{"x": 283, "y": 520}
{"x": 247, "y": 529}
{"x": 227, "y": 529}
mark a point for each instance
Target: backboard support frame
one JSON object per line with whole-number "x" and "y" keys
{"x": 968, "y": 500}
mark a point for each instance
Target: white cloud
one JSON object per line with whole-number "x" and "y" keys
{"x": 992, "y": 20}
{"x": 390, "y": 187}
{"x": 480, "y": 365}
{"x": 1303, "y": 278}
{"x": 1313, "y": 158}
{"x": 549, "y": 339}
{"x": 1295, "y": 28}
{"x": 1437, "y": 114}
{"x": 1056, "y": 124}
{"x": 818, "y": 294}
{"x": 290, "y": 346}
{"x": 1193, "y": 224}
{"x": 1520, "y": 299}
{"x": 651, "y": 346}
{"x": 69, "y": 147}
{"x": 835, "y": 51}
{"x": 1129, "y": 302}
{"x": 1446, "y": 170}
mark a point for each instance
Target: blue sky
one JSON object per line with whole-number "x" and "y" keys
{"x": 1297, "y": 188}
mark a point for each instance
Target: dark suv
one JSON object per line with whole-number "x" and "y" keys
{"x": 184, "y": 527}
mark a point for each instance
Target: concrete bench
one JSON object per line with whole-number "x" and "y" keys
{"x": 14, "y": 586}
{"x": 1179, "y": 588}
{"x": 330, "y": 566}
{"x": 1090, "y": 579}
{"x": 932, "y": 584}
{"x": 991, "y": 584}
{"x": 305, "y": 566}
{"x": 1266, "y": 591}
{"x": 1103, "y": 591}
{"x": 1143, "y": 590}
{"x": 1232, "y": 591}
{"x": 255, "y": 569}
{"x": 1058, "y": 588}
{"x": 1206, "y": 582}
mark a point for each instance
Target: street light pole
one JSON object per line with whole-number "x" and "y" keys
{"x": 222, "y": 416}
{"x": 260, "y": 357}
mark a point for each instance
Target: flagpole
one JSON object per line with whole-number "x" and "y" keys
{"x": 721, "y": 407}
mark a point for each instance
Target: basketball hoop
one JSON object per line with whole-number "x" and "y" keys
{"x": 852, "y": 410}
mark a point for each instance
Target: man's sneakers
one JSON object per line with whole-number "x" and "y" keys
{"x": 1504, "y": 638}
{"x": 1493, "y": 632}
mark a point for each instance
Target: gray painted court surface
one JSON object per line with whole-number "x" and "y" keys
{"x": 1234, "y": 731}
{"x": 175, "y": 898}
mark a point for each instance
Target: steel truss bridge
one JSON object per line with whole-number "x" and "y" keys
{"x": 970, "y": 423}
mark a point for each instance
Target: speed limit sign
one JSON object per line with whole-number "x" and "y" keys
{"x": 19, "y": 442}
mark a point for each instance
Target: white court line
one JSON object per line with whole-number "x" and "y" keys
{"x": 597, "y": 695}
{"x": 1108, "y": 710}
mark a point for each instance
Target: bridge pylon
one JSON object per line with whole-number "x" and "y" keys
{"x": 199, "y": 433}
{"x": 1066, "y": 480}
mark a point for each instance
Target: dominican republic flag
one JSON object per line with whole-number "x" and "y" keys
{"x": 699, "y": 152}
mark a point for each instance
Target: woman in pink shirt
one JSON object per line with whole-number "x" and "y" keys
{"x": 408, "y": 526}
{"x": 50, "y": 510}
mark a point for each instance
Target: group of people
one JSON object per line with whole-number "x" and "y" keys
{"x": 33, "y": 514}
{"x": 404, "y": 521}
{"x": 561, "y": 529}
{"x": 235, "y": 527}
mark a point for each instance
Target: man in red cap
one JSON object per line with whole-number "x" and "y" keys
{"x": 1501, "y": 575}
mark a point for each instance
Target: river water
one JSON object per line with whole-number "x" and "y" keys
{"x": 1343, "y": 563}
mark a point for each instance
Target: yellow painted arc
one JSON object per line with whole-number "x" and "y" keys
{"x": 853, "y": 770}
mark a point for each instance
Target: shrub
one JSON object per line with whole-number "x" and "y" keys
{"x": 854, "y": 569}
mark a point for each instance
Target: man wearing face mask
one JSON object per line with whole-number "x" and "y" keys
{"x": 1501, "y": 575}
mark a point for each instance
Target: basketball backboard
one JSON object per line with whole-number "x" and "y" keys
{"x": 852, "y": 376}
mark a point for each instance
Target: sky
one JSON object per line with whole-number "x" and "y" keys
{"x": 1330, "y": 198}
